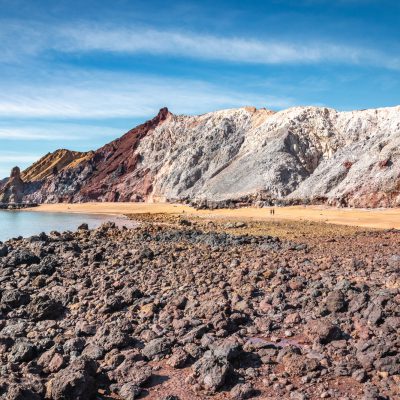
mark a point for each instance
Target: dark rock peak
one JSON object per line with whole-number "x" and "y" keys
{"x": 12, "y": 191}
{"x": 163, "y": 113}
{"x": 15, "y": 173}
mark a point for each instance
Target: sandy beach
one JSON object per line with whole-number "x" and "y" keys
{"x": 371, "y": 218}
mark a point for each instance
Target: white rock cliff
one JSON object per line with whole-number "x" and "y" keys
{"x": 299, "y": 154}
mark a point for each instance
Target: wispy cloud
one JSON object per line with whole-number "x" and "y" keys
{"x": 6, "y": 158}
{"x": 231, "y": 49}
{"x": 28, "y": 133}
{"x": 116, "y": 95}
{"x": 54, "y": 132}
{"x": 17, "y": 39}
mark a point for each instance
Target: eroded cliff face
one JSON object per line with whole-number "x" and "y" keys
{"x": 364, "y": 171}
{"x": 23, "y": 186}
{"x": 306, "y": 153}
{"x": 52, "y": 163}
{"x": 3, "y": 182}
{"x": 111, "y": 173}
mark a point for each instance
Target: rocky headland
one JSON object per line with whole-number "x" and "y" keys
{"x": 231, "y": 158}
{"x": 189, "y": 309}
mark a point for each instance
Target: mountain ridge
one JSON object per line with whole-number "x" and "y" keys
{"x": 258, "y": 156}
{"x": 52, "y": 163}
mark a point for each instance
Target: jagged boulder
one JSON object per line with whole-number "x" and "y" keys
{"x": 76, "y": 382}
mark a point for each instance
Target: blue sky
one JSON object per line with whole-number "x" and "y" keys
{"x": 77, "y": 74}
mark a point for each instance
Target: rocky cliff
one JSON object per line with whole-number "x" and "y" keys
{"x": 301, "y": 154}
{"x": 3, "y": 182}
{"x": 13, "y": 190}
{"x": 53, "y": 163}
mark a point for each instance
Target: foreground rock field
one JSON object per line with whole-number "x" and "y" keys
{"x": 179, "y": 309}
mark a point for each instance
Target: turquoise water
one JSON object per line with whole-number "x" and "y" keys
{"x": 27, "y": 223}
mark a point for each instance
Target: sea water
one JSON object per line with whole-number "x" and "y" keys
{"x": 28, "y": 223}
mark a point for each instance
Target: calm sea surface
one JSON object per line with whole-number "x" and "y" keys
{"x": 27, "y": 223}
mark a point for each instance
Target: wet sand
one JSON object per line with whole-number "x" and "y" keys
{"x": 368, "y": 218}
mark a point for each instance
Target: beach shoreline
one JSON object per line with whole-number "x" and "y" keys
{"x": 388, "y": 218}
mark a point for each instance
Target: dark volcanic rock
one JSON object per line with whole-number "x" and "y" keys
{"x": 19, "y": 257}
{"x": 22, "y": 351}
{"x": 13, "y": 298}
{"x": 45, "y": 307}
{"x": 211, "y": 371}
{"x": 323, "y": 331}
{"x": 157, "y": 347}
{"x": 17, "y": 392}
{"x": 129, "y": 391}
{"x": 181, "y": 311}
{"x": 242, "y": 392}
{"x": 335, "y": 301}
{"x": 76, "y": 382}
{"x": 3, "y": 250}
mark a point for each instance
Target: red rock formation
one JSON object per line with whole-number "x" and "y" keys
{"x": 118, "y": 159}
{"x": 347, "y": 164}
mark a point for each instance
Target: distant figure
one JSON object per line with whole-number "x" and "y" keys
{"x": 273, "y": 211}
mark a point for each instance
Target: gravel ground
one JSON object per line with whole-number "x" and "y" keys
{"x": 194, "y": 310}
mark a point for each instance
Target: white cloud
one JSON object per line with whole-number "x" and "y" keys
{"x": 19, "y": 39}
{"x": 232, "y": 49}
{"x": 26, "y": 133}
{"x": 113, "y": 95}
{"x": 6, "y": 158}
{"x": 54, "y": 132}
